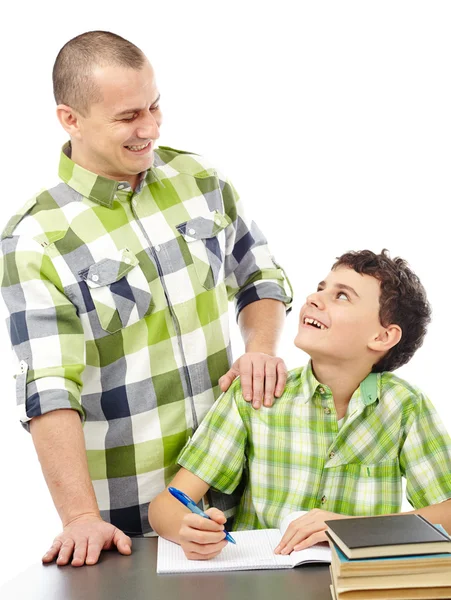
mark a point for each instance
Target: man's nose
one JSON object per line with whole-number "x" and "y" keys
{"x": 148, "y": 127}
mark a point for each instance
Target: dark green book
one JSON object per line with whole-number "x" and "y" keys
{"x": 391, "y": 535}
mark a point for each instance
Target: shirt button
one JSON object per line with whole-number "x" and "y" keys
{"x": 120, "y": 186}
{"x": 95, "y": 278}
{"x": 191, "y": 231}
{"x": 321, "y": 390}
{"x": 218, "y": 221}
{"x": 323, "y": 499}
{"x": 127, "y": 261}
{"x": 331, "y": 454}
{"x": 327, "y": 410}
{"x": 157, "y": 248}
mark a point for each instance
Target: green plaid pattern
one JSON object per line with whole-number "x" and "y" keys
{"x": 296, "y": 458}
{"x": 118, "y": 308}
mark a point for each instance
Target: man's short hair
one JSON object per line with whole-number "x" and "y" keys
{"x": 73, "y": 83}
{"x": 402, "y": 302}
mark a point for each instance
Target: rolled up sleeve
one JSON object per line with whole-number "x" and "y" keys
{"x": 217, "y": 450}
{"x": 45, "y": 331}
{"x": 425, "y": 457}
{"x": 251, "y": 272}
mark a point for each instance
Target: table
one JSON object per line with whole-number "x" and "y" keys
{"x": 134, "y": 577}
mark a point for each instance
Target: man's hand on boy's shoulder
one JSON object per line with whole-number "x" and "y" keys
{"x": 306, "y": 531}
{"x": 263, "y": 377}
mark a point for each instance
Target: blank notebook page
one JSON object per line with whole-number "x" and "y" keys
{"x": 253, "y": 550}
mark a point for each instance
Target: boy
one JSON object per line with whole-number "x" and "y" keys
{"x": 343, "y": 433}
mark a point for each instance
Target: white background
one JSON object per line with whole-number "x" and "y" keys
{"x": 332, "y": 119}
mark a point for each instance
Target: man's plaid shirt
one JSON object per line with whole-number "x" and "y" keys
{"x": 296, "y": 457}
{"x": 118, "y": 304}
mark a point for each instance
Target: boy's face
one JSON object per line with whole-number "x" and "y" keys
{"x": 341, "y": 319}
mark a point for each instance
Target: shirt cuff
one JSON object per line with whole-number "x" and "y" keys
{"x": 261, "y": 290}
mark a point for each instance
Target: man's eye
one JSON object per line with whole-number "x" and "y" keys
{"x": 128, "y": 119}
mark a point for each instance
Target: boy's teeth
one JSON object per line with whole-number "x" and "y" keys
{"x": 314, "y": 322}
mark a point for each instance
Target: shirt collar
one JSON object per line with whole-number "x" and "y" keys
{"x": 97, "y": 188}
{"x": 368, "y": 390}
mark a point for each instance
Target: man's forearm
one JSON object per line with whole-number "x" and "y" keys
{"x": 60, "y": 446}
{"x": 261, "y": 325}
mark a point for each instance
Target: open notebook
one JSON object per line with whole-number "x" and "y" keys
{"x": 253, "y": 550}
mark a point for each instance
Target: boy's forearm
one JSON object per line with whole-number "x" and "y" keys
{"x": 166, "y": 516}
{"x": 166, "y": 513}
{"x": 438, "y": 514}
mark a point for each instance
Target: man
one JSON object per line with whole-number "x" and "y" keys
{"x": 342, "y": 435}
{"x": 117, "y": 282}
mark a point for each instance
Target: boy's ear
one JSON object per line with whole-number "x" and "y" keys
{"x": 386, "y": 339}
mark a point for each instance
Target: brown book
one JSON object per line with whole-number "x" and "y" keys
{"x": 390, "y": 535}
{"x": 403, "y": 594}
{"x": 391, "y": 587}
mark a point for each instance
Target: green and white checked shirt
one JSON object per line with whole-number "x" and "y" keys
{"x": 118, "y": 304}
{"x": 296, "y": 457}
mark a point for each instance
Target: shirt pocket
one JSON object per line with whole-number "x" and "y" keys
{"x": 372, "y": 488}
{"x": 119, "y": 290}
{"x": 206, "y": 241}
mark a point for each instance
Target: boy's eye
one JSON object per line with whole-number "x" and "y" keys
{"x": 342, "y": 296}
{"x": 154, "y": 108}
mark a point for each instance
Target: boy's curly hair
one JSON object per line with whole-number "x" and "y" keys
{"x": 402, "y": 302}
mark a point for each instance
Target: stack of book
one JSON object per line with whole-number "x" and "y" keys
{"x": 392, "y": 558}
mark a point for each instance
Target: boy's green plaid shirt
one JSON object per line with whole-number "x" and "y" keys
{"x": 118, "y": 309}
{"x": 297, "y": 458}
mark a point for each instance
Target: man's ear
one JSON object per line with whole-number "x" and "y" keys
{"x": 386, "y": 339}
{"x": 69, "y": 119}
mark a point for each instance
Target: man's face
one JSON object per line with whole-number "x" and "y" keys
{"x": 341, "y": 318}
{"x": 117, "y": 139}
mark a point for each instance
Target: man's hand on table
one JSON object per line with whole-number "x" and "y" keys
{"x": 306, "y": 531}
{"x": 263, "y": 377}
{"x": 83, "y": 539}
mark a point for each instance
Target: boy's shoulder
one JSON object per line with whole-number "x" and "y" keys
{"x": 395, "y": 389}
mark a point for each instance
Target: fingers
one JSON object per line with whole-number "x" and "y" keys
{"x": 195, "y": 551}
{"x": 122, "y": 542}
{"x": 270, "y": 382}
{"x": 282, "y": 375}
{"x": 52, "y": 552}
{"x": 246, "y": 371}
{"x": 80, "y": 551}
{"x": 66, "y": 551}
{"x": 315, "y": 538}
{"x": 82, "y": 543}
{"x": 299, "y": 524}
{"x": 299, "y": 536}
{"x": 263, "y": 377}
{"x": 226, "y": 380}
{"x": 258, "y": 382}
{"x": 198, "y": 523}
{"x": 216, "y": 515}
{"x": 203, "y": 538}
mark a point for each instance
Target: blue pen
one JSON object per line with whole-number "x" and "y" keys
{"x": 192, "y": 506}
